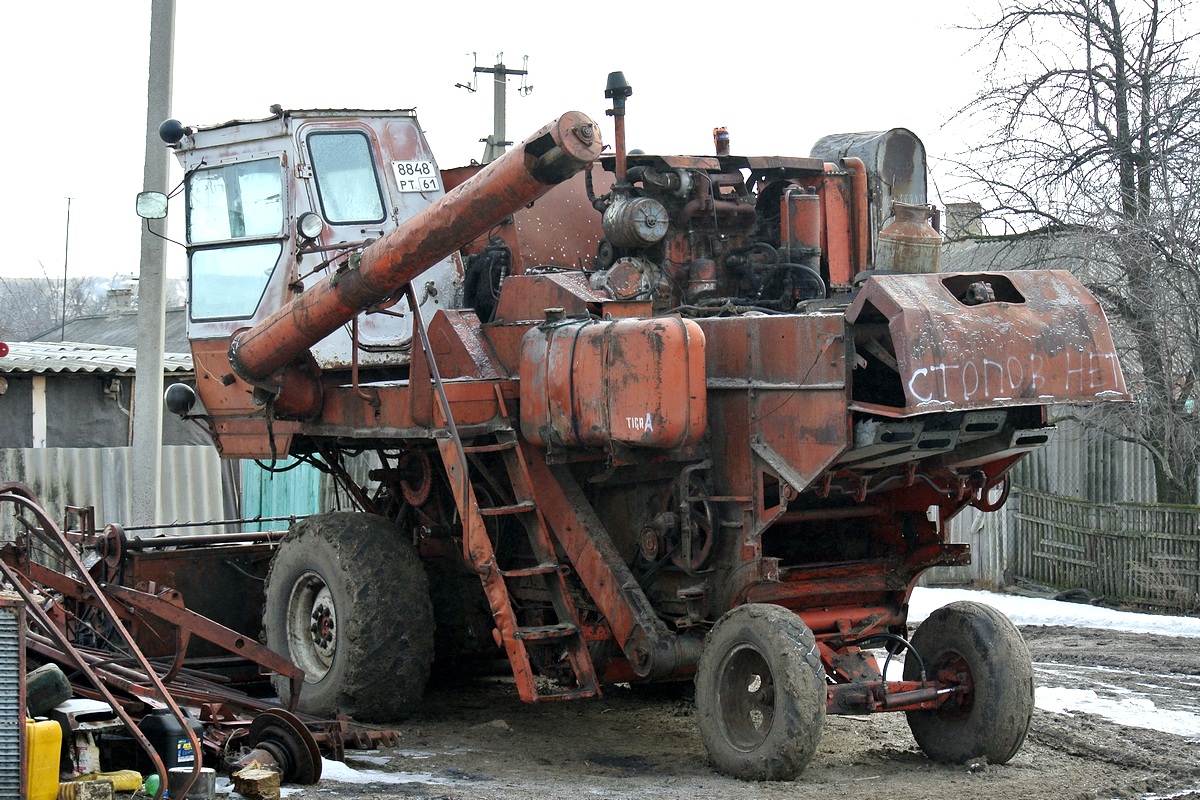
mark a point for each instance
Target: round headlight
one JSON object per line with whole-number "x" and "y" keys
{"x": 180, "y": 398}
{"x": 309, "y": 225}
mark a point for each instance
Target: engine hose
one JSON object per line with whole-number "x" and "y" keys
{"x": 598, "y": 203}
{"x": 812, "y": 274}
{"x": 746, "y": 248}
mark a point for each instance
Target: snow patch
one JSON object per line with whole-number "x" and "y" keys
{"x": 342, "y": 773}
{"x": 1135, "y": 711}
{"x": 1038, "y": 611}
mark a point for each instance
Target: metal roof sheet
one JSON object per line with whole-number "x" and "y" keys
{"x": 58, "y": 357}
{"x": 118, "y": 329}
{"x": 1035, "y": 250}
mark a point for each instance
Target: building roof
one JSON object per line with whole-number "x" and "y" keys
{"x": 1042, "y": 249}
{"x": 59, "y": 357}
{"x": 119, "y": 329}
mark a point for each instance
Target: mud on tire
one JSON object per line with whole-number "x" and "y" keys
{"x": 760, "y": 693}
{"x": 347, "y": 600}
{"x": 977, "y": 642}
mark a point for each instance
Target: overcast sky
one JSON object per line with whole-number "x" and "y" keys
{"x": 779, "y": 75}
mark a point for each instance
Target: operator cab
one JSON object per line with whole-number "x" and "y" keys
{"x": 278, "y": 204}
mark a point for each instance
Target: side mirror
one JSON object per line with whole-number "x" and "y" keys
{"x": 151, "y": 205}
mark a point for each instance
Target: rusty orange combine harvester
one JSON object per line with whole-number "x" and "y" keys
{"x": 675, "y": 416}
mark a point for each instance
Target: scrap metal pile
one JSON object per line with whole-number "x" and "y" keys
{"x": 132, "y": 644}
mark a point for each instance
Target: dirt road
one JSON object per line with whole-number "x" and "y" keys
{"x": 480, "y": 743}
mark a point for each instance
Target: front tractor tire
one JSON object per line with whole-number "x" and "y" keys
{"x": 347, "y": 601}
{"x": 760, "y": 694}
{"x": 973, "y": 645}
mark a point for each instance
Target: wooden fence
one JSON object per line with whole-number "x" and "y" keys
{"x": 1143, "y": 554}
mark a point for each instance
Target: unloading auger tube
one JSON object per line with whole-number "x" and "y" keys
{"x": 525, "y": 173}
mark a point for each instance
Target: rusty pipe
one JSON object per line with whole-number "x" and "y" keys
{"x": 861, "y": 215}
{"x": 520, "y": 176}
{"x": 619, "y": 135}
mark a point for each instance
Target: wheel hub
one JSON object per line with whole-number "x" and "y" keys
{"x": 311, "y": 626}
{"x": 322, "y": 626}
{"x": 746, "y": 694}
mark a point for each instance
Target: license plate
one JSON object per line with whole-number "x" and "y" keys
{"x": 417, "y": 176}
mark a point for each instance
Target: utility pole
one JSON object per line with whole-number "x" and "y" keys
{"x": 146, "y": 452}
{"x": 62, "y": 334}
{"x": 494, "y": 145}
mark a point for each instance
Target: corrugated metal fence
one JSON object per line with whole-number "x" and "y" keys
{"x": 1085, "y": 462}
{"x": 100, "y": 477}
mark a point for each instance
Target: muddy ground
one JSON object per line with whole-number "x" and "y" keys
{"x": 480, "y": 743}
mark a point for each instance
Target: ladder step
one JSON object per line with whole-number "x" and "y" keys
{"x": 538, "y": 633}
{"x": 490, "y": 448}
{"x": 547, "y": 568}
{"x": 518, "y": 508}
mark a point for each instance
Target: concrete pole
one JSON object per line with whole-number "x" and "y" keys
{"x": 152, "y": 294}
{"x": 499, "y": 109}
{"x": 495, "y": 144}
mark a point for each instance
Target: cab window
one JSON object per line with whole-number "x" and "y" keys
{"x": 235, "y": 201}
{"x": 347, "y": 182}
{"x": 235, "y": 236}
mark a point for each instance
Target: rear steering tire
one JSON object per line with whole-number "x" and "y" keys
{"x": 973, "y": 644}
{"x": 347, "y": 601}
{"x": 760, "y": 693}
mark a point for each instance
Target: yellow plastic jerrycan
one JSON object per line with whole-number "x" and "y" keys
{"x": 43, "y": 747}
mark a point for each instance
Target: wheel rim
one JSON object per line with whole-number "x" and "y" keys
{"x": 746, "y": 697}
{"x": 311, "y": 626}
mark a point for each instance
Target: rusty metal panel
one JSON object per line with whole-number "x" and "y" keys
{"x": 460, "y": 349}
{"x": 222, "y": 583}
{"x": 1043, "y": 340}
{"x": 789, "y": 375}
{"x": 638, "y": 382}
{"x": 562, "y": 229}
{"x": 532, "y": 294}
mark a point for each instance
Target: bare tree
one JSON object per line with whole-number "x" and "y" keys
{"x": 1095, "y": 108}
{"x": 31, "y": 306}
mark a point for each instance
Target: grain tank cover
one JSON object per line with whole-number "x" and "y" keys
{"x": 1039, "y": 339}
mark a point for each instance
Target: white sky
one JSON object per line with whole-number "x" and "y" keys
{"x": 778, "y": 75}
